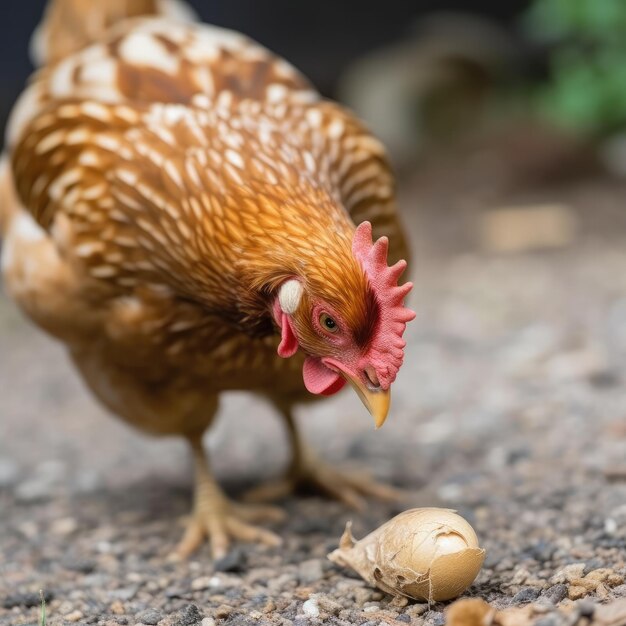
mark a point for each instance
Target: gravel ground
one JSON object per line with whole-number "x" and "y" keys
{"x": 510, "y": 408}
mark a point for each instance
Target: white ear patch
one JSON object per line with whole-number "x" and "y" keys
{"x": 289, "y": 296}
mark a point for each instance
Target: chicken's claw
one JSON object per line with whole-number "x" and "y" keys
{"x": 349, "y": 487}
{"x": 222, "y": 524}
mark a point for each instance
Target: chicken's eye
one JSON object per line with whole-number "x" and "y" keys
{"x": 328, "y": 323}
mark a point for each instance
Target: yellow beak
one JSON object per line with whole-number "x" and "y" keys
{"x": 376, "y": 401}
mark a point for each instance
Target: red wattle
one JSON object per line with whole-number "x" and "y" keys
{"x": 288, "y": 341}
{"x": 320, "y": 379}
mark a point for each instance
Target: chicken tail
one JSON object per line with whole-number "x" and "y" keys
{"x": 70, "y": 25}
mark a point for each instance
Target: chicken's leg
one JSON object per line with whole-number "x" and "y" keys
{"x": 306, "y": 472}
{"x": 215, "y": 517}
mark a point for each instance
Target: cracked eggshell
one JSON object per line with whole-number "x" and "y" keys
{"x": 427, "y": 554}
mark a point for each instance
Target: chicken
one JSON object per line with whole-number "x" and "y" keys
{"x": 179, "y": 207}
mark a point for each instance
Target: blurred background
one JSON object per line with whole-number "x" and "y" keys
{"x": 425, "y": 73}
{"x": 506, "y": 123}
{"x": 323, "y": 38}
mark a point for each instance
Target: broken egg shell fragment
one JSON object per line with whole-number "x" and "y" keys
{"x": 426, "y": 554}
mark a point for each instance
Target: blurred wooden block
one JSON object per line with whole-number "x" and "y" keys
{"x": 534, "y": 227}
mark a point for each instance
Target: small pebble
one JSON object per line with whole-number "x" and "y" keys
{"x": 588, "y": 583}
{"x": 586, "y": 609}
{"x": 117, "y": 608}
{"x": 282, "y": 582}
{"x": 189, "y": 615}
{"x": 568, "y": 573}
{"x": 520, "y": 577}
{"x": 234, "y": 561}
{"x": 416, "y": 610}
{"x": 223, "y": 611}
{"x": 620, "y": 591}
{"x": 269, "y": 606}
{"x": 575, "y": 592}
{"x": 310, "y": 608}
{"x": 435, "y": 618}
{"x": 64, "y": 527}
{"x": 205, "y": 582}
{"x": 175, "y": 593}
{"x": 527, "y": 594}
{"x": 74, "y": 616}
{"x": 124, "y": 593}
{"x": 593, "y": 564}
{"x": 543, "y": 605}
{"x": 150, "y": 617}
{"x": 328, "y": 605}
{"x": 600, "y": 574}
{"x": 556, "y": 593}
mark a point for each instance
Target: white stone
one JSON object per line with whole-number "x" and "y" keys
{"x": 310, "y": 608}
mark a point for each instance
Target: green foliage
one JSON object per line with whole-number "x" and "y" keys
{"x": 587, "y": 87}
{"x": 593, "y": 20}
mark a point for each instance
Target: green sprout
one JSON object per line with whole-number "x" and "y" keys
{"x": 42, "y": 615}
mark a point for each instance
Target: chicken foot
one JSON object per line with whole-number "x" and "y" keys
{"x": 216, "y": 518}
{"x": 308, "y": 473}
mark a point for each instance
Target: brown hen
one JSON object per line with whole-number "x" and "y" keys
{"x": 179, "y": 207}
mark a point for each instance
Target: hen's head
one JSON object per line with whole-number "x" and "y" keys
{"x": 349, "y": 326}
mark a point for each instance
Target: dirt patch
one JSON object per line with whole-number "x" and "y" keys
{"x": 510, "y": 408}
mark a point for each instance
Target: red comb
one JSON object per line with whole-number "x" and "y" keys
{"x": 386, "y": 350}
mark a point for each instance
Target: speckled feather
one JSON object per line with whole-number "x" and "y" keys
{"x": 181, "y": 172}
